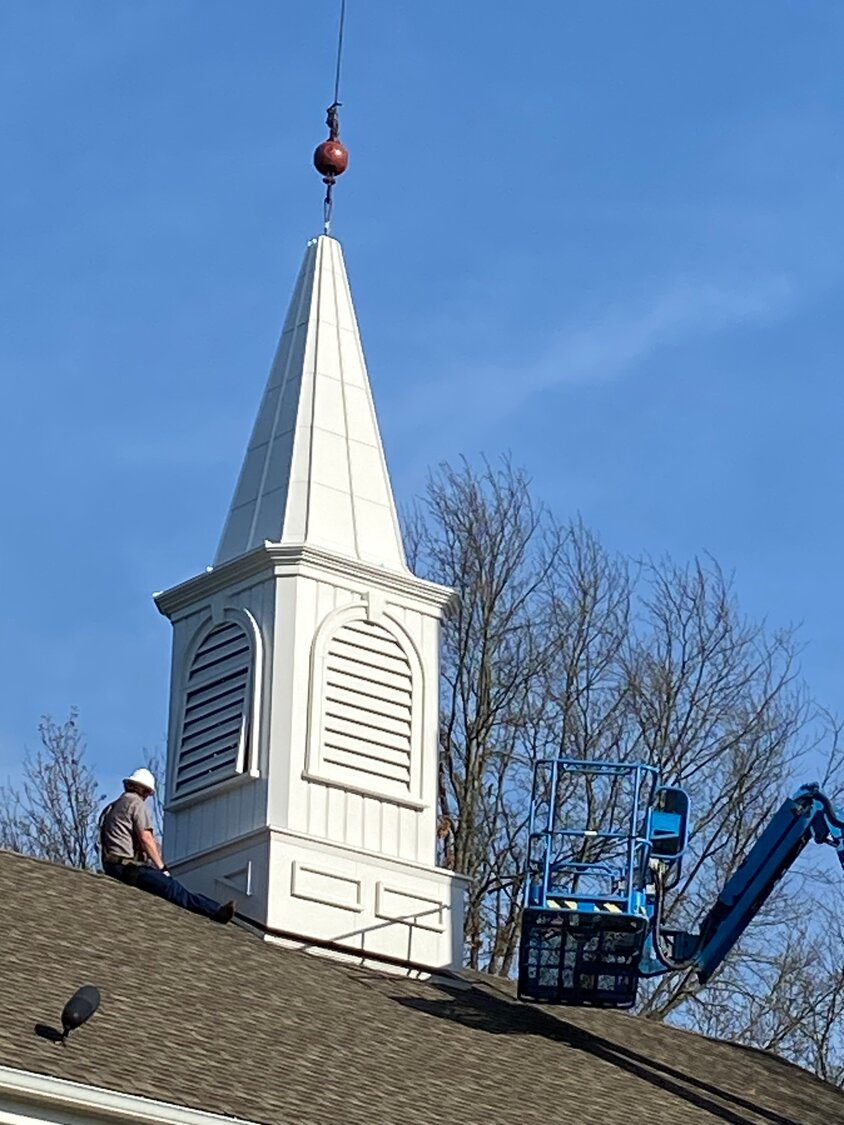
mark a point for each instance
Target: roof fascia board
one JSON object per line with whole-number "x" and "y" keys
{"x": 29, "y": 1097}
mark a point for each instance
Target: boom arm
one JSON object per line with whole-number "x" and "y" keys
{"x": 808, "y": 815}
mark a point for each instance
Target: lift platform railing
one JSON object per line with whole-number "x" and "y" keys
{"x": 584, "y": 920}
{"x": 601, "y": 859}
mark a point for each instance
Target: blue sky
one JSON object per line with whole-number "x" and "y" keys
{"x": 605, "y": 237}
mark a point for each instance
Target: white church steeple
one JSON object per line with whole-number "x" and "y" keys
{"x": 314, "y": 471}
{"x": 303, "y": 732}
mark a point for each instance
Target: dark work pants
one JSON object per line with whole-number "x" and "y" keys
{"x": 149, "y": 879}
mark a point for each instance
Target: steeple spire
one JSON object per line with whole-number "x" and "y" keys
{"x": 314, "y": 471}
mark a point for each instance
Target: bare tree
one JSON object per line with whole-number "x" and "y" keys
{"x": 53, "y": 814}
{"x": 559, "y": 647}
{"x": 483, "y": 534}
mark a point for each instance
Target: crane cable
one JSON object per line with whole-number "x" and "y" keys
{"x": 339, "y": 52}
{"x": 332, "y": 119}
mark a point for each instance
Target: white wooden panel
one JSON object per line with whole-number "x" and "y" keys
{"x": 336, "y": 811}
{"x": 326, "y": 886}
{"x": 325, "y": 601}
{"x": 399, "y": 905}
{"x": 216, "y": 819}
{"x": 408, "y": 834}
{"x": 372, "y": 824}
{"x": 317, "y": 810}
{"x": 389, "y": 829}
{"x": 354, "y": 820}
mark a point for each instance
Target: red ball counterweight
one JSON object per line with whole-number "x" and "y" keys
{"x": 331, "y": 159}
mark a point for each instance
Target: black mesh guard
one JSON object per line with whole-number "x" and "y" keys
{"x": 569, "y": 957}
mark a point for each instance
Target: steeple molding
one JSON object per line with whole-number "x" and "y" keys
{"x": 280, "y": 561}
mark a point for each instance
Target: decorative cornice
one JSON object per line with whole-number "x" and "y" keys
{"x": 214, "y": 579}
{"x": 301, "y": 560}
{"x": 267, "y": 833}
{"x": 395, "y": 863}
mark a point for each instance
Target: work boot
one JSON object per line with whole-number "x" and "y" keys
{"x": 225, "y": 913}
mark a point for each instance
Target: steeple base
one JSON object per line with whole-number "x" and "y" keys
{"x": 329, "y": 899}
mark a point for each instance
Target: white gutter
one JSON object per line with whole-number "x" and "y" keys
{"x": 26, "y": 1097}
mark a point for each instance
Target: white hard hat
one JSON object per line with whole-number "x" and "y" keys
{"x": 143, "y": 777}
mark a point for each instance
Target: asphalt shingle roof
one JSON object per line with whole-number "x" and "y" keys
{"x": 213, "y": 1018}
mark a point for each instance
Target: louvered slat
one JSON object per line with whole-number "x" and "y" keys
{"x": 367, "y": 717}
{"x": 233, "y": 640}
{"x": 371, "y": 751}
{"x": 338, "y": 663}
{"x": 221, "y": 734}
{"x": 215, "y": 765}
{"x": 393, "y": 708}
{"x": 371, "y": 692}
{"x": 367, "y": 704}
{"x": 213, "y": 723}
{"x": 197, "y": 784}
{"x": 363, "y": 732}
{"x": 220, "y": 668}
{"x": 203, "y": 718}
{"x": 393, "y": 662}
{"x": 208, "y": 694}
{"x": 337, "y": 755}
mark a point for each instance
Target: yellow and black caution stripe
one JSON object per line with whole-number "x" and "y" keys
{"x": 585, "y": 907}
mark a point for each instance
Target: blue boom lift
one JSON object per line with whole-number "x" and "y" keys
{"x": 592, "y": 925}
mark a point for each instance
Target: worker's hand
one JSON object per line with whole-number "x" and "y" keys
{"x": 164, "y": 871}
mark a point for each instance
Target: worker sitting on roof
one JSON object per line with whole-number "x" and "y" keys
{"x": 130, "y": 852}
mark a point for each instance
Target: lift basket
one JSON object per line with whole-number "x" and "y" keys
{"x": 580, "y": 958}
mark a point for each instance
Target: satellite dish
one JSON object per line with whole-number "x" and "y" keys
{"x": 79, "y": 1008}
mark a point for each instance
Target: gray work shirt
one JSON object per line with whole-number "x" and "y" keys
{"x": 122, "y": 823}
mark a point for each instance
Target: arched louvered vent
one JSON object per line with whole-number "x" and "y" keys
{"x": 367, "y": 704}
{"x": 215, "y": 723}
